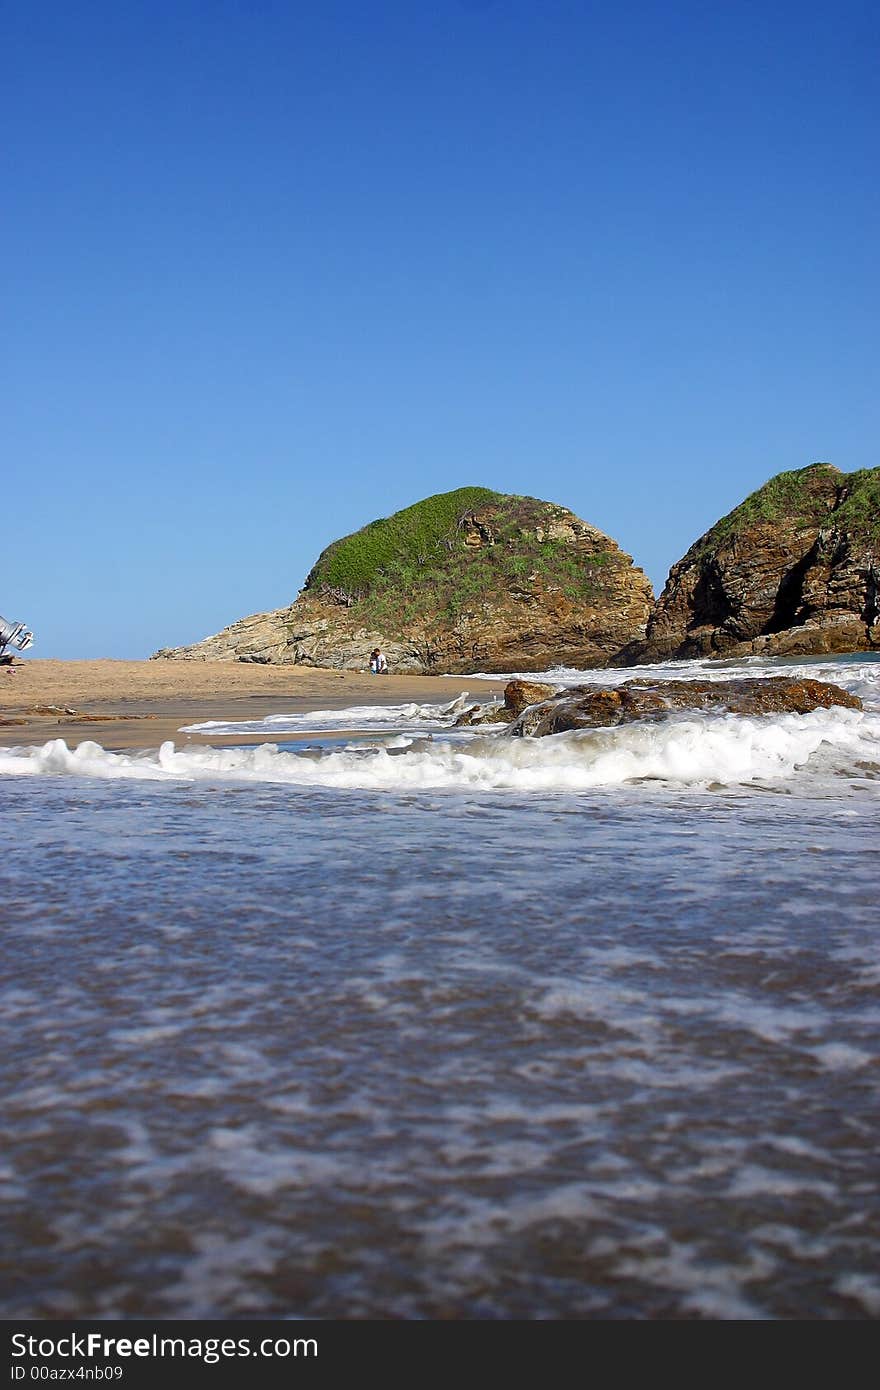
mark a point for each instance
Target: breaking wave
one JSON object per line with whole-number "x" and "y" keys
{"x": 808, "y": 752}
{"x": 366, "y": 717}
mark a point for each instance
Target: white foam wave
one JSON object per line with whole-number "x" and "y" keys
{"x": 706, "y": 750}
{"x": 372, "y": 717}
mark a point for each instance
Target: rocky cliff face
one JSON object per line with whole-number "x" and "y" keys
{"x": 466, "y": 581}
{"x": 795, "y": 569}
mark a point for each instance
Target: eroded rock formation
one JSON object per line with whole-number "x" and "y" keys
{"x": 466, "y": 581}
{"x": 795, "y": 569}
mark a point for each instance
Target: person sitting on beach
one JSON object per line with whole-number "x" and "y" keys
{"x": 378, "y": 664}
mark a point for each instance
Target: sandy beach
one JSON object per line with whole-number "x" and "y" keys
{"x": 140, "y": 704}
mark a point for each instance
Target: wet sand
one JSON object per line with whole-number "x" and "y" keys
{"x": 140, "y": 704}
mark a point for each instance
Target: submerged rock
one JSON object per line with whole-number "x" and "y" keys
{"x": 592, "y": 707}
{"x": 492, "y": 713}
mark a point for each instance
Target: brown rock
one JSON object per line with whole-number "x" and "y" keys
{"x": 513, "y": 584}
{"x": 518, "y": 694}
{"x": 795, "y": 569}
{"x": 589, "y": 707}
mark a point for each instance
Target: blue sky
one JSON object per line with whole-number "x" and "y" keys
{"x": 274, "y": 269}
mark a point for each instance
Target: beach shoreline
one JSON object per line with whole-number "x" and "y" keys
{"x": 142, "y": 704}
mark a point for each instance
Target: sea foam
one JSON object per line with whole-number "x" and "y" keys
{"x": 707, "y": 750}
{"x": 365, "y": 717}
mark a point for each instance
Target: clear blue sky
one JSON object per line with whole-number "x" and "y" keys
{"x": 273, "y": 269}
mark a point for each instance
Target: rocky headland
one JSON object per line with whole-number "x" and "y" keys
{"x": 475, "y": 580}
{"x": 794, "y": 570}
{"x": 465, "y": 581}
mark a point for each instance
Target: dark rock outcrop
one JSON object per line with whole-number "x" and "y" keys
{"x": 795, "y": 569}
{"x": 592, "y": 707}
{"x": 465, "y": 581}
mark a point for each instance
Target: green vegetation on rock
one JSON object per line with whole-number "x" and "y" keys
{"x": 417, "y": 565}
{"x": 394, "y": 545}
{"x": 816, "y": 496}
{"x": 859, "y": 511}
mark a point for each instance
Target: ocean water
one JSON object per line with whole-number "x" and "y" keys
{"x": 427, "y": 1023}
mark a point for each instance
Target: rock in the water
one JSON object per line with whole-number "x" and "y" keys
{"x": 517, "y": 696}
{"x": 466, "y": 581}
{"x": 492, "y": 713}
{"x": 795, "y": 569}
{"x": 592, "y": 707}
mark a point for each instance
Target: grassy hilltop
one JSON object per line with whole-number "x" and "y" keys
{"x": 449, "y": 551}
{"x": 469, "y": 580}
{"x": 815, "y": 496}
